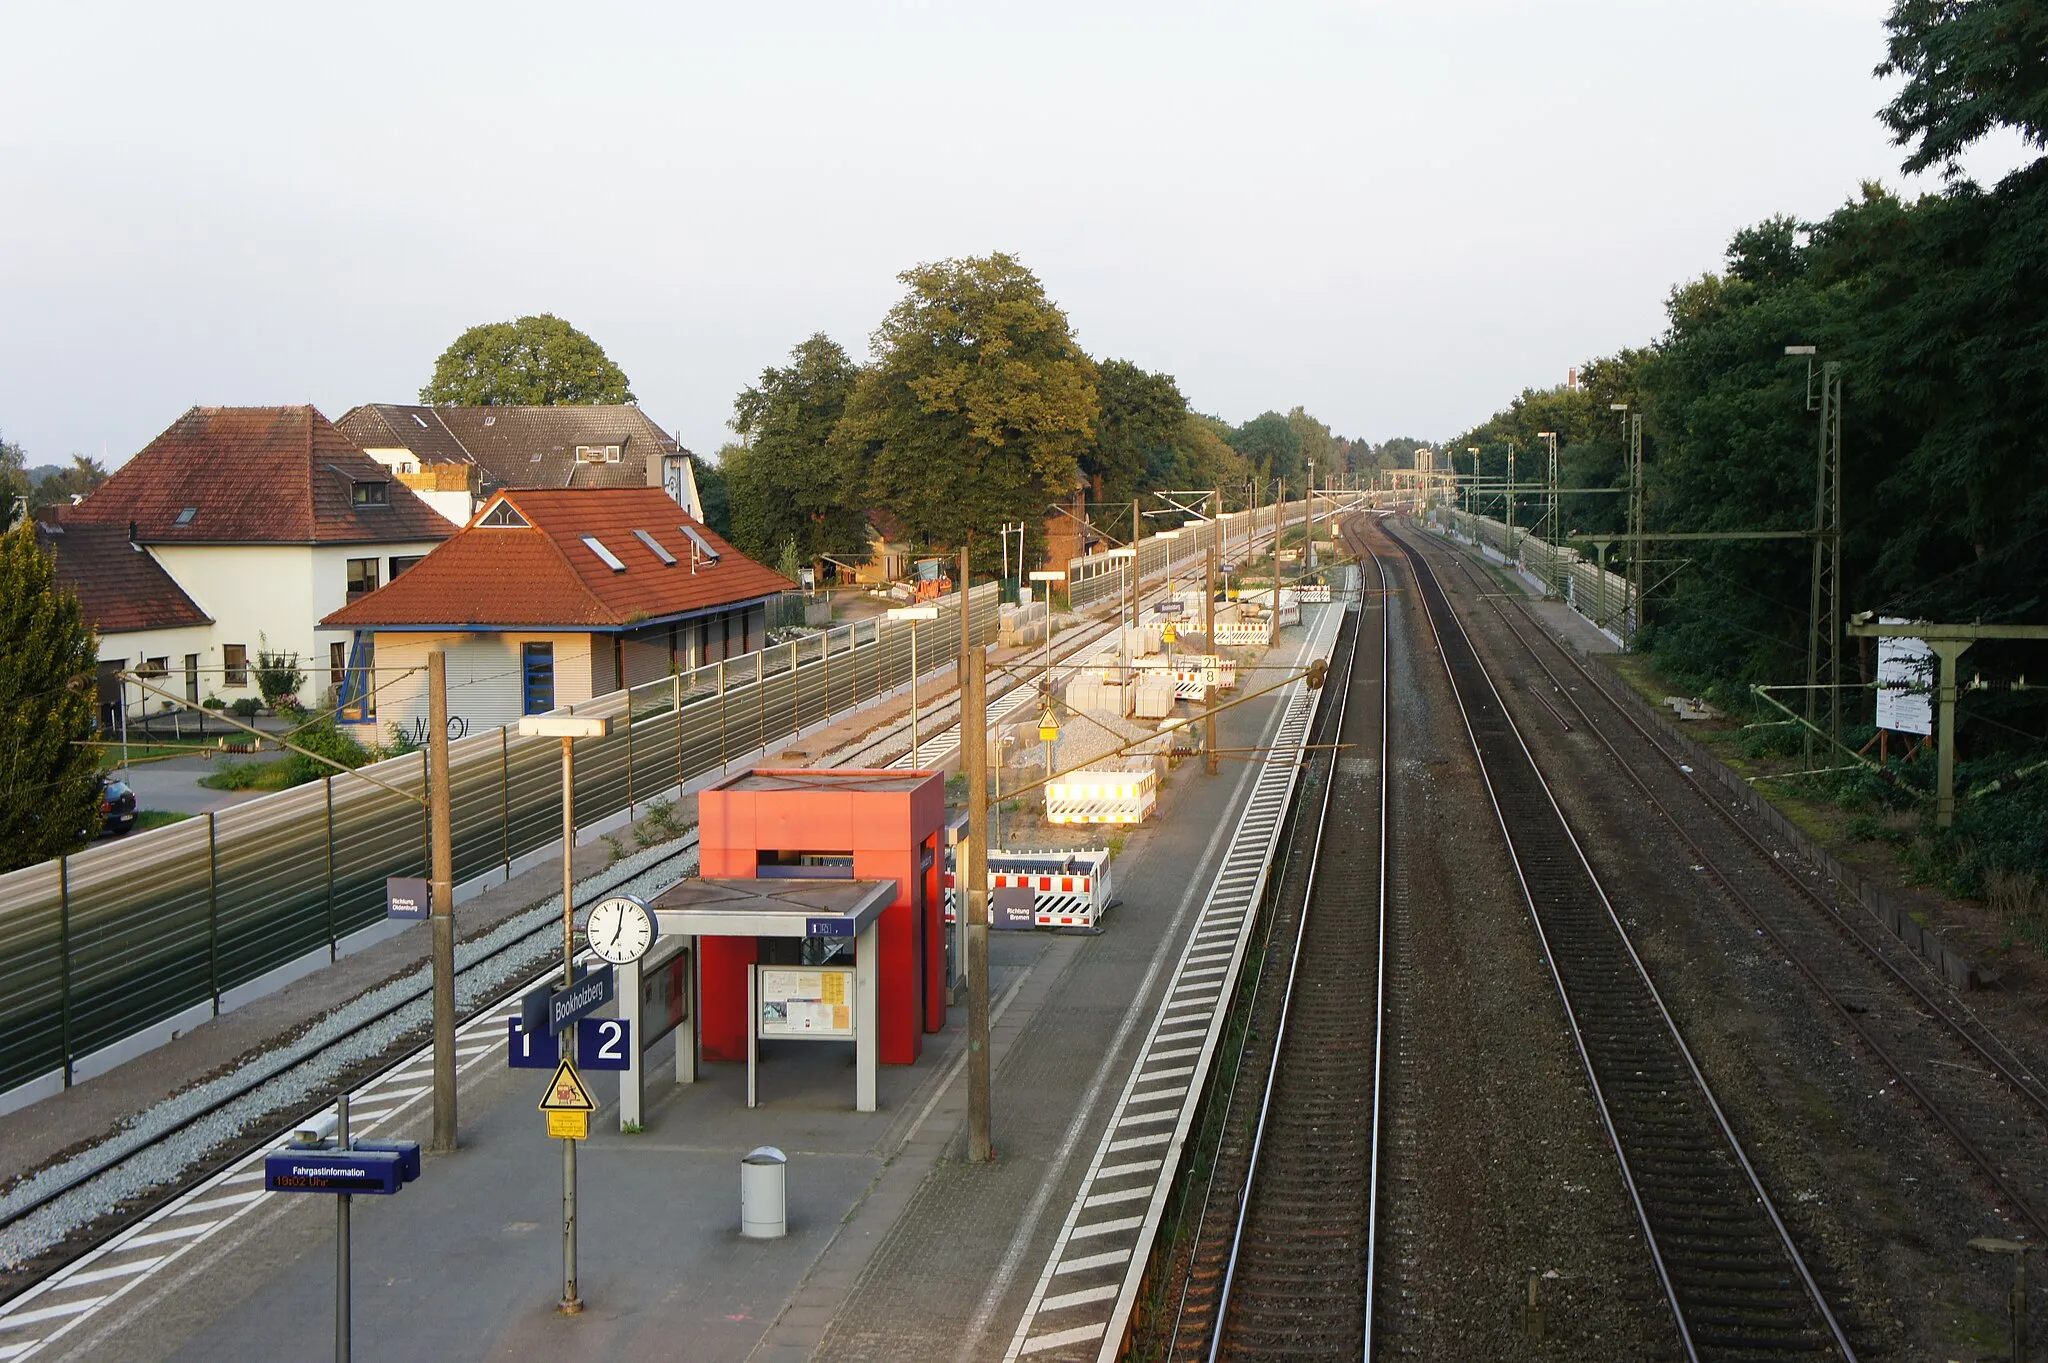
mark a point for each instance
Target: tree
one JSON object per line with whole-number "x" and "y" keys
{"x": 712, "y": 491}
{"x": 49, "y": 775}
{"x": 1272, "y": 446}
{"x": 13, "y": 480}
{"x": 788, "y": 481}
{"x": 977, "y": 405}
{"x": 1970, "y": 66}
{"x": 534, "y": 361}
{"x": 58, "y": 488}
{"x": 1315, "y": 447}
{"x": 1135, "y": 434}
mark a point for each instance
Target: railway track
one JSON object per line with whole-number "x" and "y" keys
{"x": 1737, "y": 1285}
{"x": 1281, "y": 1264}
{"x": 1987, "y": 1098}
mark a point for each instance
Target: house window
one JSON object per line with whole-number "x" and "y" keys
{"x": 539, "y": 661}
{"x": 358, "y": 702}
{"x": 154, "y": 667}
{"x": 337, "y": 664}
{"x": 399, "y": 563}
{"x": 234, "y": 661}
{"x": 369, "y": 494}
{"x": 191, "y": 678}
{"x": 362, "y": 577}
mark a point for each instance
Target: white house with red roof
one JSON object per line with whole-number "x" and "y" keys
{"x": 549, "y": 597}
{"x": 256, "y": 521}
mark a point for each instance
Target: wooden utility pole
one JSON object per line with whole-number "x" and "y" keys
{"x": 966, "y": 616}
{"x": 1209, "y": 625}
{"x": 974, "y": 748}
{"x": 441, "y": 843}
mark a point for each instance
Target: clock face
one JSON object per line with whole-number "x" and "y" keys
{"x": 620, "y": 930}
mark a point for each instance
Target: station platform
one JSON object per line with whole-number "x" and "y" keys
{"x": 897, "y": 1248}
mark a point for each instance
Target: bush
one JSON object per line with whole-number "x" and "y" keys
{"x": 213, "y": 703}
{"x": 329, "y": 742}
{"x": 277, "y": 674}
{"x": 246, "y": 708}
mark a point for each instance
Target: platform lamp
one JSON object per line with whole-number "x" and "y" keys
{"x": 914, "y": 614}
{"x": 568, "y": 728}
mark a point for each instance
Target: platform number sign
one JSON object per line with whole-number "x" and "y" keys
{"x": 540, "y": 1050}
{"x": 604, "y": 1043}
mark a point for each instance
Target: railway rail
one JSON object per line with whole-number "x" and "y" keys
{"x": 1737, "y": 1285}
{"x": 1282, "y": 1246}
{"x": 1986, "y": 1097}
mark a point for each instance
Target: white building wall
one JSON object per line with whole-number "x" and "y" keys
{"x": 276, "y": 592}
{"x": 486, "y": 681}
{"x": 134, "y": 649}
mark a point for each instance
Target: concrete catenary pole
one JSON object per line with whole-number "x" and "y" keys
{"x": 442, "y": 869}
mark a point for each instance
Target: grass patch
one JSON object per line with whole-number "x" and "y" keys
{"x": 275, "y": 774}
{"x": 158, "y": 818}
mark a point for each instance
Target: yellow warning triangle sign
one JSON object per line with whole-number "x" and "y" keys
{"x": 566, "y": 1092}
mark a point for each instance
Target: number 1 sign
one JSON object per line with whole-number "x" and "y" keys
{"x": 604, "y": 1043}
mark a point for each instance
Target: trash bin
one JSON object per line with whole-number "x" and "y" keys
{"x": 763, "y": 1204}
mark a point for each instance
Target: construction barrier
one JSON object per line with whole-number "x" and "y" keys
{"x": 1122, "y": 794}
{"x": 1068, "y": 889}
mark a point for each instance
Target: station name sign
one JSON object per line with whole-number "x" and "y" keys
{"x": 556, "y": 1008}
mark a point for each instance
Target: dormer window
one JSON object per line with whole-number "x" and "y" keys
{"x": 598, "y": 454}
{"x": 369, "y": 494}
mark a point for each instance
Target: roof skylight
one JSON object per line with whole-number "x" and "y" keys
{"x": 610, "y": 559}
{"x": 654, "y": 544}
{"x": 704, "y": 548}
{"x": 185, "y": 516}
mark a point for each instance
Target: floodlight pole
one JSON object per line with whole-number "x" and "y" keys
{"x": 442, "y": 851}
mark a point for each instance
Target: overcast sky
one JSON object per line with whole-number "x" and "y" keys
{"x": 1395, "y": 214}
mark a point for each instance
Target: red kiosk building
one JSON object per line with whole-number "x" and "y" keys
{"x": 850, "y": 823}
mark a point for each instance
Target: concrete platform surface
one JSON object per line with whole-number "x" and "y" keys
{"x": 897, "y": 1248}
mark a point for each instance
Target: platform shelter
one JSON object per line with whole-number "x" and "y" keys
{"x": 850, "y": 824}
{"x": 816, "y": 974}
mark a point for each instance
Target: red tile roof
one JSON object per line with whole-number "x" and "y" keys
{"x": 543, "y": 575}
{"x": 119, "y": 587}
{"x": 256, "y": 475}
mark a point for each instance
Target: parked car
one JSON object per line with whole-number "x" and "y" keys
{"x": 117, "y": 807}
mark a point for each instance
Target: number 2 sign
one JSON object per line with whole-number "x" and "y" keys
{"x": 604, "y": 1043}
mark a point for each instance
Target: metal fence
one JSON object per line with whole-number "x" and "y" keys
{"x": 1098, "y": 578}
{"x": 109, "y": 942}
{"x": 1600, "y": 596}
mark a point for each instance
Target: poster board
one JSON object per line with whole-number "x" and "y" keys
{"x": 1905, "y": 684}
{"x": 804, "y": 1001}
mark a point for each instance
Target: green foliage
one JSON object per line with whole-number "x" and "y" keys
{"x": 277, "y": 673}
{"x": 791, "y": 562}
{"x": 59, "y": 486}
{"x": 1272, "y": 446}
{"x": 1314, "y": 445}
{"x": 713, "y": 491}
{"x": 49, "y": 774}
{"x": 789, "y": 482}
{"x": 1970, "y": 66}
{"x": 245, "y": 708}
{"x": 1136, "y": 435}
{"x": 533, "y": 361}
{"x": 324, "y": 738}
{"x": 977, "y": 405}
